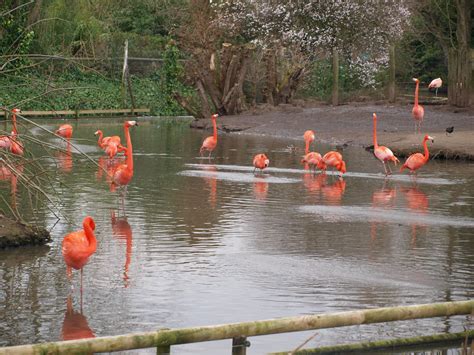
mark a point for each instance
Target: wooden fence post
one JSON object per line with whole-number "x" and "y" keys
{"x": 391, "y": 73}
{"x": 335, "y": 77}
{"x": 163, "y": 350}
{"x": 239, "y": 345}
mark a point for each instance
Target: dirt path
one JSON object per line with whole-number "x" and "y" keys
{"x": 352, "y": 124}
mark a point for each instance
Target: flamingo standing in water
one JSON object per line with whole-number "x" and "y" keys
{"x": 308, "y": 139}
{"x": 383, "y": 153}
{"x": 312, "y": 160}
{"x": 11, "y": 142}
{"x": 210, "y": 142}
{"x": 124, "y": 172}
{"x": 417, "y": 160}
{"x": 111, "y": 145}
{"x": 435, "y": 84}
{"x": 78, "y": 246}
{"x": 260, "y": 161}
{"x": 418, "y": 111}
{"x": 65, "y": 131}
{"x": 333, "y": 159}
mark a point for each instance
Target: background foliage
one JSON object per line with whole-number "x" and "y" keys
{"x": 96, "y": 30}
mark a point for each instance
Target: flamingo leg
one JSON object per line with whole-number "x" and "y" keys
{"x": 385, "y": 168}
{"x": 81, "y": 280}
{"x": 389, "y": 169}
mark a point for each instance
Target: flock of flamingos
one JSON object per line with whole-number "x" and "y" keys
{"x": 78, "y": 246}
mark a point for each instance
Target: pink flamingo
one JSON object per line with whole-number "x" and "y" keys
{"x": 333, "y": 159}
{"x": 78, "y": 246}
{"x": 260, "y": 161}
{"x": 417, "y": 160}
{"x": 65, "y": 131}
{"x": 210, "y": 142}
{"x": 312, "y": 159}
{"x": 383, "y": 153}
{"x": 124, "y": 172}
{"x": 308, "y": 139}
{"x": 435, "y": 84}
{"x": 418, "y": 111}
{"x": 111, "y": 145}
{"x": 11, "y": 142}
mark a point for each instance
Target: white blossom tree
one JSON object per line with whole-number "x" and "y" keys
{"x": 360, "y": 30}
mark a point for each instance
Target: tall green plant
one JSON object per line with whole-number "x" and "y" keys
{"x": 170, "y": 80}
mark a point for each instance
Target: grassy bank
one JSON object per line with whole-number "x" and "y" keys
{"x": 75, "y": 89}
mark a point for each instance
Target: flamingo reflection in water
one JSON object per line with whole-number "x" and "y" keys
{"x": 122, "y": 230}
{"x": 417, "y": 201}
{"x": 211, "y": 180}
{"x": 383, "y": 198}
{"x": 11, "y": 174}
{"x": 260, "y": 188}
{"x": 314, "y": 183}
{"x": 64, "y": 159}
{"x": 333, "y": 193}
{"x": 75, "y": 325}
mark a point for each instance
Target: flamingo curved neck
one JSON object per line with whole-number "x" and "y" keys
{"x": 14, "y": 123}
{"x": 129, "y": 149}
{"x": 306, "y": 149}
{"x": 215, "y": 129}
{"x": 427, "y": 153}
{"x": 416, "y": 92}
{"x": 375, "y": 133}
{"x": 101, "y": 135}
{"x": 90, "y": 237}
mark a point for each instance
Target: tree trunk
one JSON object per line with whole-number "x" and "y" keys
{"x": 459, "y": 77}
{"x": 268, "y": 89}
{"x": 335, "y": 77}
{"x": 391, "y": 76}
{"x": 459, "y": 58}
{"x": 289, "y": 88}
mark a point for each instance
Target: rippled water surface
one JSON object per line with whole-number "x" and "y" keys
{"x": 201, "y": 242}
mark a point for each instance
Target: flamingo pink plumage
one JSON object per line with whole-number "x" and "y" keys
{"x": 381, "y": 152}
{"x": 11, "y": 142}
{"x": 418, "y": 111}
{"x": 333, "y": 159}
{"x": 261, "y": 161}
{"x": 78, "y": 246}
{"x": 435, "y": 84}
{"x": 124, "y": 172}
{"x": 312, "y": 159}
{"x": 417, "y": 160}
{"x": 210, "y": 142}
{"x": 65, "y": 131}
{"x": 308, "y": 139}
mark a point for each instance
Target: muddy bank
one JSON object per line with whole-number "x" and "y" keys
{"x": 351, "y": 124}
{"x": 13, "y": 234}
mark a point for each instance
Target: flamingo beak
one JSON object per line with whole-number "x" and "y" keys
{"x": 431, "y": 138}
{"x": 415, "y": 80}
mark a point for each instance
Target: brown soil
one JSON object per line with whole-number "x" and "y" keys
{"x": 351, "y": 124}
{"x": 13, "y": 234}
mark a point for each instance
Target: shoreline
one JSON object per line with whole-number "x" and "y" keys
{"x": 351, "y": 125}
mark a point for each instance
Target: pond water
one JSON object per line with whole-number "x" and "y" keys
{"x": 203, "y": 242}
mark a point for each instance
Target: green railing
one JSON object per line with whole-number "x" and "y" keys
{"x": 163, "y": 339}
